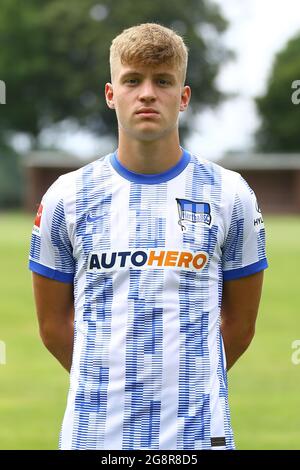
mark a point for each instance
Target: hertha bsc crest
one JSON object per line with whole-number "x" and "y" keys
{"x": 193, "y": 212}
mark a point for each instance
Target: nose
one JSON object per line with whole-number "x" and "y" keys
{"x": 147, "y": 92}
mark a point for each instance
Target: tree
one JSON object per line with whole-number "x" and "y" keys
{"x": 55, "y": 59}
{"x": 279, "y": 130}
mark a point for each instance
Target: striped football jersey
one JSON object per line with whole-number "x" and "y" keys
{"x": 148, "y": 255}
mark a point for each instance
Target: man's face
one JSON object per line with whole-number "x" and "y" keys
{"x": 147, "y": 100}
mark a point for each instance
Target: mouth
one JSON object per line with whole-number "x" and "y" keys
{"x": 147, "y": 112}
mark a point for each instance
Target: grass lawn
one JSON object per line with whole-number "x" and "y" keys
{"x": 263, "y": 385}
{"x": 33, "y": 385}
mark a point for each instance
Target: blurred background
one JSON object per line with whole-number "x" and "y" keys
{"x": 244, "y": 68}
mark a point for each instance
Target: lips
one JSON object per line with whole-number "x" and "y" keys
{"x": 147, "y": 111}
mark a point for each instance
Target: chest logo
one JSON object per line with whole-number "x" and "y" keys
{"x": 192, "y": 212}
{"x": 90, "y": 219}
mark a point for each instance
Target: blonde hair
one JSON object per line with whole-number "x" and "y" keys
{"x": 149, "y": 44}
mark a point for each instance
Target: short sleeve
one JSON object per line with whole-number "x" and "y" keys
{"x": 51, "y": 252}
{"x": 244, "y": 250}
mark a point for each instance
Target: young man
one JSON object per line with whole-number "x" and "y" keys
{"x": 152, "y": 260}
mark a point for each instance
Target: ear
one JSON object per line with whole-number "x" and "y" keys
{"x": 109, "y": 95}
{"x": 185, "y": 98}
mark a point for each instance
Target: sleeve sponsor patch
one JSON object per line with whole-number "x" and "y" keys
{"x": 37, "y": 221}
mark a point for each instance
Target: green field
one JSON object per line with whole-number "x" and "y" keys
{"x": 264, "y": 385}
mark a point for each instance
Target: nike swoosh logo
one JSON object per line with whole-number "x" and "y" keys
{"x": 91, "y": 219}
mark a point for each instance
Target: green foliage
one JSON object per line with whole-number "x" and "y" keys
{"x": 55, "y": 59}
{"x": 280, "y": 117}
{"x": 263, "y": 385}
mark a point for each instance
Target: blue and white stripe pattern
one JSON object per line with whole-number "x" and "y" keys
{"x": 60, "y": 241}
{"x": 35, "y": 247}
{"x": 149, "y": 368}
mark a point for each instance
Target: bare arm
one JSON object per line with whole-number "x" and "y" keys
{"x": 55, "y": 310}
{"x": 240, "y": 302}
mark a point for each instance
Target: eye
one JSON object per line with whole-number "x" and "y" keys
{"x": 131, "y": 81}
{"x": 164, "y": 82}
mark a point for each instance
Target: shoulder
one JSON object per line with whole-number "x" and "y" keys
{"x": 66, "y": 186}
{"x": 89, "y": 169}
{"x": 215, "y": 174}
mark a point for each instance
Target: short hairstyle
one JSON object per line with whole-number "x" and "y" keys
{"x": 149, "y": 44}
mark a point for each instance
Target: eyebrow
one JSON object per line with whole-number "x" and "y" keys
{"x": 160, "y": 74}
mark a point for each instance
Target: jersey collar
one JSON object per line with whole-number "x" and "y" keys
{"x": 152, "y": 178}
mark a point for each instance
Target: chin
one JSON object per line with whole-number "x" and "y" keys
{"x": 148, "y": 134}
{"x": 145, "y": 135}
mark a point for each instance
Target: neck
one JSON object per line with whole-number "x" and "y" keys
{"x": 149, "y": 157}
